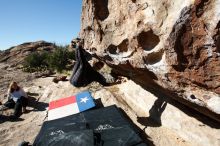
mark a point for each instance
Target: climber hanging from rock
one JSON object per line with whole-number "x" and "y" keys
{"x": 83, "y": 73}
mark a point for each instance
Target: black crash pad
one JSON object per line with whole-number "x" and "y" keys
{"x": 99, "y": 127}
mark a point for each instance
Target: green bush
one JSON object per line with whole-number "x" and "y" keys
{"x": 36, "y": 61}
{"x": 56, "y": 60}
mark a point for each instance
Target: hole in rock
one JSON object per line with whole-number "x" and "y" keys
{"x": 123, "y": 47}
{"x": 89, "y": 28}
{"x": 192, "y": 96}
{"x": 93, "y": 49}
{"x": 140, "y": 23}
{"x": 148, "y": 40}
{"x": 101, "y": 9}
{"x": 154, "y": 57}
{"x": 112, "y": 49}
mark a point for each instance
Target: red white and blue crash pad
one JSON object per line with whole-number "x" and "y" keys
{"x": 70, "y": 105}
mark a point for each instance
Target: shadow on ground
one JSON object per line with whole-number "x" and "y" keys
{"x": 154, "y": 120}
{"x": 33, "y": 101}
{"x": 146, "y": 139}
{"x": 4, "y": 118}
{"x": 98, "y": 103}
{"x": 36, "y": 105}
{"x": 166, "y": 96}
{"x": 32, "y": 94}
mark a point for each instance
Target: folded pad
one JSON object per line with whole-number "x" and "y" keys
{"x": 100, "y": 127}
{"x": 70, "y": 105}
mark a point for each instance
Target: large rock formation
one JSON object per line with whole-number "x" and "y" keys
{"x": 169, "y": 47}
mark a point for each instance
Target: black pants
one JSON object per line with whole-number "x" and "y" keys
{"x": 22, "y": 102}
{"x": 83, "y": 73}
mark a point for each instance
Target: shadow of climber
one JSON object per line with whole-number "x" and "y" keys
{"x": 154, "y": 120}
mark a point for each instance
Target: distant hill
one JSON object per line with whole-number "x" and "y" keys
{"x": 15, "y": 55}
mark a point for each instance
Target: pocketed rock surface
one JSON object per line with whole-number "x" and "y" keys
{"x": 168, "y": 46}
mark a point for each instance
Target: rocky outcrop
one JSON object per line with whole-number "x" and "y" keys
{"x": 15, "y": 55}
{"x": 169, "y": 47}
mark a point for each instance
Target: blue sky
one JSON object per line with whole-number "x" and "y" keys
{"x": 32, "y": 20}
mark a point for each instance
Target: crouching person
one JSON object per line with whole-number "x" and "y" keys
{"x": 17, "y": 99}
